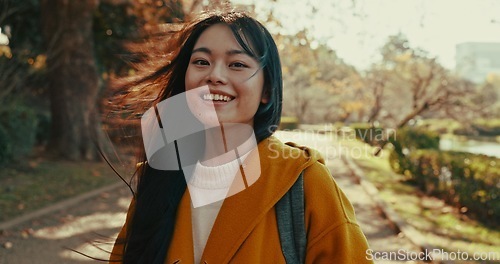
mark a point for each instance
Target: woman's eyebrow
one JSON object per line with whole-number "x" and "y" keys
{"x": 236, "y": 52}
{"x": 229, "y": 52}
{"x": 202, "y": 49}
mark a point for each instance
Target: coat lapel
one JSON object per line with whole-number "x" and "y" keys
{"x": 241, "y": 212}
{"x": 181, "y": 248}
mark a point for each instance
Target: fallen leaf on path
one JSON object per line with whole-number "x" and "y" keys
{"x": 7, "y": 245}
{"x": 26, "y": 233}
{"x": 33, "y": 164}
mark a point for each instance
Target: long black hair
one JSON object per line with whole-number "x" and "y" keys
{"x": 159, "y": 192}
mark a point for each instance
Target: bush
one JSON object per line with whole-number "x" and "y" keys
{"x": 479, "y": 130}
{"x": 480, "y": 127}
{"x": 43, "y": 127}
{"x": 19, "y": 124}
{"x": 461, "y": 179}
{"x": 415, "y": 138}
{"x": 5, "y": 146}
{"x": 289, "y": 123}
{"x": 368, "y": 133}
{"x": 405, "y": 141}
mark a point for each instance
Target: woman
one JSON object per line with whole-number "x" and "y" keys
{"x": 231, "y": 60}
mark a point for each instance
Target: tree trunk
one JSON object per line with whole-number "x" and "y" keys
{"x": 73, "y": 77}
{"x": 377, "y": 106}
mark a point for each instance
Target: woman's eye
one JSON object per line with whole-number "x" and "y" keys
{"x": 238, "y": 65}
{"x": 201, "y": 62}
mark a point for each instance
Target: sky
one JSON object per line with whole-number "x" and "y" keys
{"x": 357, "y": 32}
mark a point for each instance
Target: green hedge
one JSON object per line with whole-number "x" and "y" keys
{"x": 288, "y": 123}
{"x": 5, "y": 145}
{"x": 481, "y": 127}
{"x": 368, "y": 133}
{"x": 405, "y": 141}
{"x": 479, "y": 130}
{"x": 461, "y": 179}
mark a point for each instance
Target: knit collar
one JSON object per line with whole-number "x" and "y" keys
{"x": 209, "y": 184}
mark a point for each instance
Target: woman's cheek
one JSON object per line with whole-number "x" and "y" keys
{"x": 194, "y": 77}
{"x": 190, "y": 80}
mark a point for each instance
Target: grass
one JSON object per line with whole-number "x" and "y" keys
{"x": 28, "y": 187}
{"x": 443, "y": 226}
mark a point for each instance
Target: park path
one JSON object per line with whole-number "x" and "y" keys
{"x": 46, "y": 239}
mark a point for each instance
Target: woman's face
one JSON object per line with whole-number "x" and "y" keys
{"x": 234, "y": 78}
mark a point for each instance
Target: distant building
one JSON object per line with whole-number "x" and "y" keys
{"x": 476, "y": 60}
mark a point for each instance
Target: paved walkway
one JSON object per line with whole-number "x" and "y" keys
{"x": 45, "y": 239}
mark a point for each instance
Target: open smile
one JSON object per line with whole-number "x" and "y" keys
{"x": 217, "y": 97}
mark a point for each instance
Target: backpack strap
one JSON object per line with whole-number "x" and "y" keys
{"x": 291, "y": 223}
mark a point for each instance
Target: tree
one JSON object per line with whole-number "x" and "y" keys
{"x": 408, "y": 83}
{"x": 83, "y": 45}
{"x": 375, "y": 81}
{"x": 318, "y": 85}
{"x": 20, "y": 63}
{"x": 488, "y": 96}
{"x": 73, "y": 77}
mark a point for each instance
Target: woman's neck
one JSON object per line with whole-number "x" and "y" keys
{"x": 222, "y": 141}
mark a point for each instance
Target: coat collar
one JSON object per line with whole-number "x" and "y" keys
{"x": 280, "y": 166}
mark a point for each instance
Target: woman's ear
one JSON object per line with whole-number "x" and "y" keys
{"x": 265, "y": 97}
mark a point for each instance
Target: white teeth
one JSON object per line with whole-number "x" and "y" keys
{"x": 216, "y": 97}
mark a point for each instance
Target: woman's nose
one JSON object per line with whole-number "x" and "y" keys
{"x": 217, "y": 75}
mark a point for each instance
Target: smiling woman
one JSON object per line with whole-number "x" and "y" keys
{"x": 231, "y": 200}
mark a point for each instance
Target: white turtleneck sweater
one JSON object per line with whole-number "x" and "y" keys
{"x": 208, "y": 187}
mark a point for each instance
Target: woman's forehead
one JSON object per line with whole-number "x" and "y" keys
{"x": 217, "y": 36}
{"x": 220, "y": 37}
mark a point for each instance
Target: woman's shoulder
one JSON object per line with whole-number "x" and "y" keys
{"x": 320, "y": 187}
{"x": 324, "y": 198}
{"x": 289, "y": 151}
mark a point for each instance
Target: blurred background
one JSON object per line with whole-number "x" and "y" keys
{"x": 416, "y": 83}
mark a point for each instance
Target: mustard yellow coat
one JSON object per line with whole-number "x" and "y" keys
{"x": 246, "y": 230}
